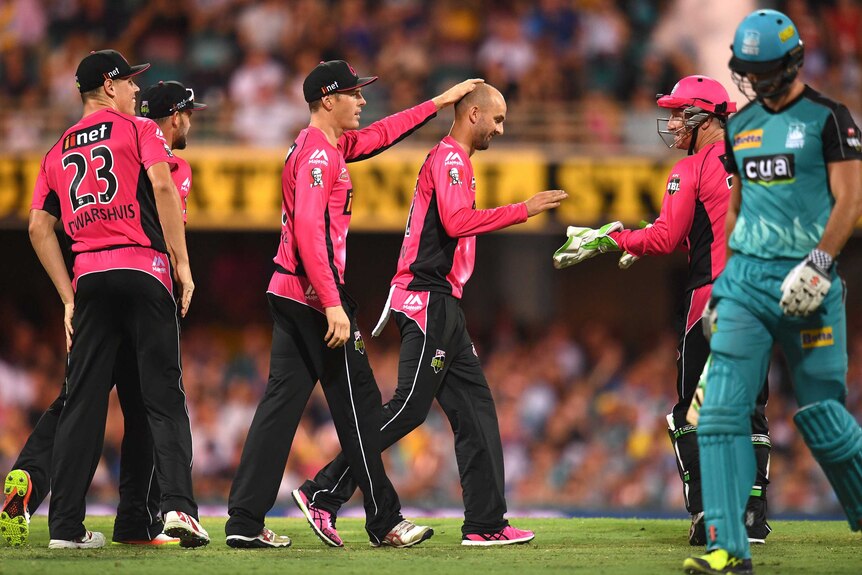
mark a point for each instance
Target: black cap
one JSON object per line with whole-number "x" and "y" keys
{"x": 163, "y": 99}
{"x": 332, "y": 76}
{"x": 104, "y": 65}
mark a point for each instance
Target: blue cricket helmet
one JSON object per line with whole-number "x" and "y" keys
{"x": 767, "y": 41}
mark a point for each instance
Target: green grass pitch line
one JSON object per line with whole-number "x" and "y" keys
{"x": 581, "y": 546}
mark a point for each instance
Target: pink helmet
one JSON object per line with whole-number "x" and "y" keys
{"x": 700, "y": 92}
{"x": 699, "y": 97}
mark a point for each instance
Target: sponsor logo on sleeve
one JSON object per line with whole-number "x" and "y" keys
{"x": 795, "y": 136}
{"x": 853, "y": 139}
{"x": 748, "y": 139}
{"x": 821, "y": 337}
{"x": 768, "y": 170}
{"x": 88, "y": 136}
{"x": 319, "y": 157}
{"x": 454, "y": 177}
{"x": 316, "y": 177}
{"x": 358, "y": 342}
{"x": 453, "y": 159}
{"x": 438, "y": 361}
{"x": 343, "y": 176}
{"x": 673, "y": 184}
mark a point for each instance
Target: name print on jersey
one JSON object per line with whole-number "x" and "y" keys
{"x": 774, "y": 169}
{"x": 89, "y": 136}
{"x": 95, "y": 214}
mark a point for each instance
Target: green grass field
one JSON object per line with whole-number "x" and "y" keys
{"x": 600, "y": 546}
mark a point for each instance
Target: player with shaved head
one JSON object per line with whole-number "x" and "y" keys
{"x": 438, "y": 359}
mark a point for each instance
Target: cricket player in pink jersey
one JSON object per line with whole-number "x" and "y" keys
{"x": 108, "y": 180}
{"x": 437, "y": 357}
{"x": 692, "y": 219}
{"x": 315, "y": 336}
{"x": 139, "y": 520}
{"x": 171, "y": 105}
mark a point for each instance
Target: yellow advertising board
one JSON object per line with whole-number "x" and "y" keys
{"x": 240, "y": 188}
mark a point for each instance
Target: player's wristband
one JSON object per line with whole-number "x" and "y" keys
{"x": 821, "y": 260}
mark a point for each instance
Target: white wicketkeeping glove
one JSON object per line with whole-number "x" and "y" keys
{"x": 626, "y": 261}
{"x": 584, "y": 243}
{"x": 804, "y": 288}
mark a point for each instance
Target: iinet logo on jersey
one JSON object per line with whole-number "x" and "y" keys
{"x": 159, "y": 265}
{"x": 88, "y": 136}
{"x": 413, "y": 302}
{"x": 453, "y": 159}
{"x": 319, "y": 157}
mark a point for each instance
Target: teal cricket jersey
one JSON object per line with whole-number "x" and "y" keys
{"x": 781, "y": 158}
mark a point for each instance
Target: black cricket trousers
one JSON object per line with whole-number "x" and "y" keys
{"x": 692, "y": 352}
{"x": 298, "y": 360}
{"x": 138, "y": 511}
{"x": 440, "y": 362}
{"x": 112, "y": 307}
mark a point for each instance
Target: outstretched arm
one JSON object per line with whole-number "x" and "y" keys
{"x": 358, "y": 145}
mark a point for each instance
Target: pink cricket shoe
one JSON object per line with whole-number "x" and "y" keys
{"x": 320, "y": 520}
{"x": 507, "y": 536}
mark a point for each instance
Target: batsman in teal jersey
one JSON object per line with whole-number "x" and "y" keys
{"x": 797, "y": 194}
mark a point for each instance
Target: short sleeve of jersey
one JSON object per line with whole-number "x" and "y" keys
{"x": 841, "y": 137}
{"x": 154, "y": 148}
{"x": 44, "y": 198}
{"x": 729, "y": 159}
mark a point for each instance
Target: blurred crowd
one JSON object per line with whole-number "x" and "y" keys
{"x": 582, "y": 410}
{"x": 574, "y": 71}
{"x": 582, "y": 417}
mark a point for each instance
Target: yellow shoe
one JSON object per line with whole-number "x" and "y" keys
{"x": 14, "y": 516}
{"x": 717, "y": 562}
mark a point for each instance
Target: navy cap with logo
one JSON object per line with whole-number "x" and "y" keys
{"x": 104, "y": 65}
{"x": 163, "y": 99}
{"x": 332, "y": 76}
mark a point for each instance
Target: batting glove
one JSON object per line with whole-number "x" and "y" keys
{"x": 804, "y": 288}
{"x": 585, "y": 243}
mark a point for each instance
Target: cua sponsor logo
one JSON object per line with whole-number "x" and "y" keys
{"x": 779, "y": 168}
